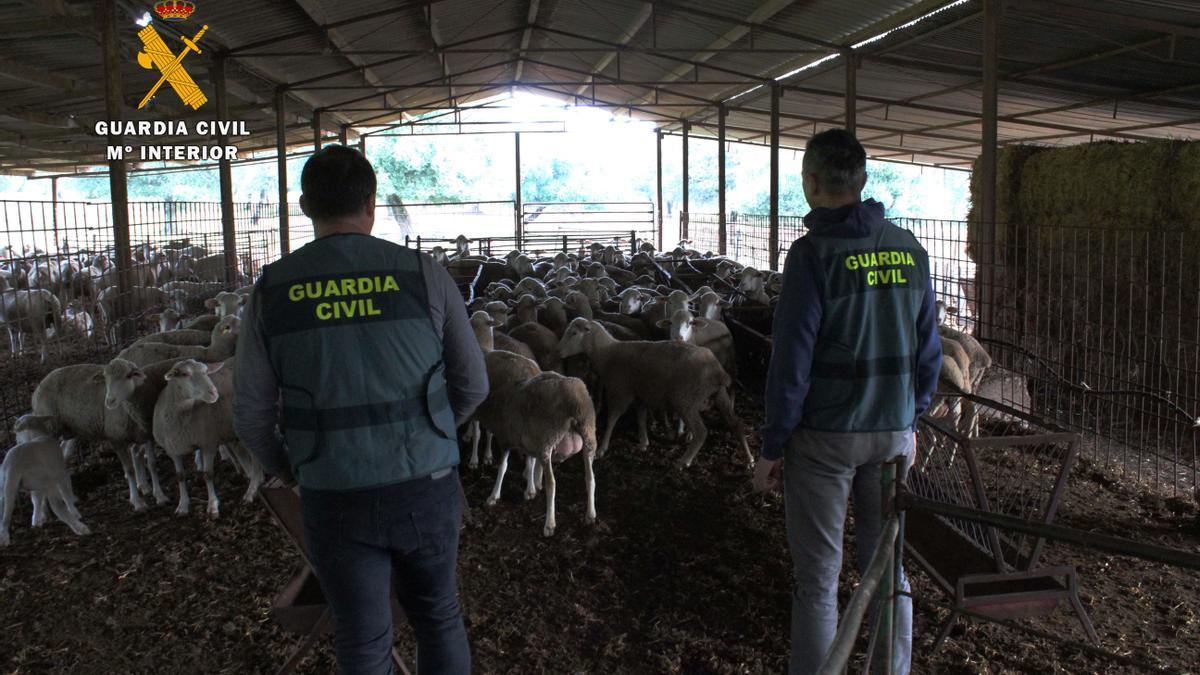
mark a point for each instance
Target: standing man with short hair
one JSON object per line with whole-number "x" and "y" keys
{"x": 367, "y": 346}
{"x": 855, "y": 362}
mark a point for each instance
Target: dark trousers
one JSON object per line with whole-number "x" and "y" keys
{"x": 362, "y": 542}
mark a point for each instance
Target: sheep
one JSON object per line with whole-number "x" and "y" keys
{"x": 712, "y": 335}
{"x": 503, "y": 369}
{"x": 673, "y": 376}
{"x": 226, "y": 304}
{"x": 709, "y": 305}
{"x": 168, "y": 319}
{"x": 483, "y": 323}
{"x": 752, "y": 284}
{"x": 182, "y": 336}
{"x": 39, "y": 465}
{"x": 187, "y": 420}
{"x": 74, "y": 395}
{"x": 547, "y": 418}
{"x": 140, "y": 301}
{"x": 77, "y": 320}
{"x": 663, "y": 309}
{"x": 221, "y": 347}
{"x": 27, "y": 312}
{"x": 542, "y": 342}
{"x": 631, "y": 300}
{"x": 553, "y": 315}
{"x": 206, "y": 322}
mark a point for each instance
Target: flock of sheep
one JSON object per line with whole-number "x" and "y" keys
{"x": 565, "y": 337}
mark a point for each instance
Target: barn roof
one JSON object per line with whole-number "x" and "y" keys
{"x": 1070, "y": 70}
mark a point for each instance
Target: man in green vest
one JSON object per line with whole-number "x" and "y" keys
{"x": 360, "y": 351}
{"x": 854, "y": 362}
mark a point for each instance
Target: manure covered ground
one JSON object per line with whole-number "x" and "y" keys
{"x": 687, "y": 572}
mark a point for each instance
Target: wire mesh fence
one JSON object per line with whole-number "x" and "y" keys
{"x": 1097, "y": 329}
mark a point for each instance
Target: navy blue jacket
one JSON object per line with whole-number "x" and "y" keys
{"x": 797, "y": 324}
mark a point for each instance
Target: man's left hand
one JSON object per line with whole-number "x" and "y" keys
{"x": 768, "y": 475}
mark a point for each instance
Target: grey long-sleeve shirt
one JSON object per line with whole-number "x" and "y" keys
{"x": 255, "y": 408}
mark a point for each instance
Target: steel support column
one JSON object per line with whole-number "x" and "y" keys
{"x": 225, "y": 170}
{"x": 987, "y": 160}
{"x": 316, "y": 128}
{"x": 658, "y": 136}
{"x": 362, "y": 144}
{"x": 285, "y": 237}
{"x": 683, "y": 210}
{"x": 520, "y": 216}
{"x": 722, "y": 111}
{"x": 118, "y": 183}
{"x": 852, "y": 60}
{"x": 773, "y": 238}
{"x": 54, "y": 210}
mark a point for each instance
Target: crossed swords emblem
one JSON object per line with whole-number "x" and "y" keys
{"x": 158, "y": 55}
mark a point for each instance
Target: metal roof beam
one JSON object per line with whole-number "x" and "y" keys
{"x": 757, "y": 132}
{"x": 321, "y": 29}
{"x": 628, "y": 34}
{"x": 765, "y": 11}
{"x": 754, "y": 21}
{"x": 618, "y": 82}
{"x": 1092, "y": 17}
{"x": 531, "y": 14}
{"x": 337, "y": 40}
{"x": 21, "y": 72}
{"x": 434, "y": 80}
{"x": 435, "y": 38}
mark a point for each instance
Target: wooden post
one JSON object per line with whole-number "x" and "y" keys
{"x": 851, "y": 91}
{"x": 362, "y": 144}
{"x": 54, "y": 211}
{"x": 658, "y": 135}
{"x": 519, "y": 207}
{"x": 773, "y": 238}
{"x": 987, "y": 164}
{"x": 118, "y": 183}
{"x": 722, "y": 228}
{"x": 316, "y": 128}
{"x": 683, "y": 209}
{"x": 285, "y": 236}
{"x": 225, "y": 170}
{"x": 344, "y": 134}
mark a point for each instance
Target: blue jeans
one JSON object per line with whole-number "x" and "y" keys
{"x": 820, "y": 471}
{"x": 362, "y": 542}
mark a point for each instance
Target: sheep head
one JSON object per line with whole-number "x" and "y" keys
{"x": 191, "y": 379}
{"x": 121, "y": 378}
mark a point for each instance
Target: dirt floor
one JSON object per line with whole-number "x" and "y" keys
{"x": 686, "y": 572}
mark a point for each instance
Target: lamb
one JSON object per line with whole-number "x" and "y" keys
{"x": 673, "y": 376}
{"x": 221, "y": 347}
{"x": 187, "y": 420}
{"x": 74, "y": 395}
{"x": 548, "y": 418}
{"x": 37, "y": 463}
{"x": 78, "y": 321}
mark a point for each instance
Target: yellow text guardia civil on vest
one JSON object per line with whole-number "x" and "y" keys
{"x": 344, "y": 288}
{"x": 878, "y": 277}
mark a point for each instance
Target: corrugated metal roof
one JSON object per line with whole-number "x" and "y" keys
{"x": 1072, "y": 69}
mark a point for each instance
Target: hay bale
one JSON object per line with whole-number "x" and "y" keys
{"x": 1097, "y": 271}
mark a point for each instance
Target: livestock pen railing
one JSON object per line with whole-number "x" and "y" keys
{"x": 1095, "y": 328}
{"x": 69, "y": 250}
{"x": 558, "y": 218}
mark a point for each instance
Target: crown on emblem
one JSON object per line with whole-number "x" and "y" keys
{"x": 174, "y": 10}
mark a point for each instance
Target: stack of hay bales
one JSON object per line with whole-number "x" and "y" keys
{"x": 1098, "y": 262}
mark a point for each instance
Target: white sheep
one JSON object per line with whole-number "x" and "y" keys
{"x": 141, "y": 301}
{"x": 29, "y": 312}
{"x": 74, "y": 395}
{"x": 226, "y": 304}
{"x": 222, "y": 345}
{"x": 712, "y": 335}
{"x": 38, "y": 465}
{"x": 675, "y": 377}
{"x": 187, "y": 420}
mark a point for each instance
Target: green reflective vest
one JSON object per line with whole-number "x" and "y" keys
{"x": 866, "y": 352}
{"x": 359, "y": 364}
